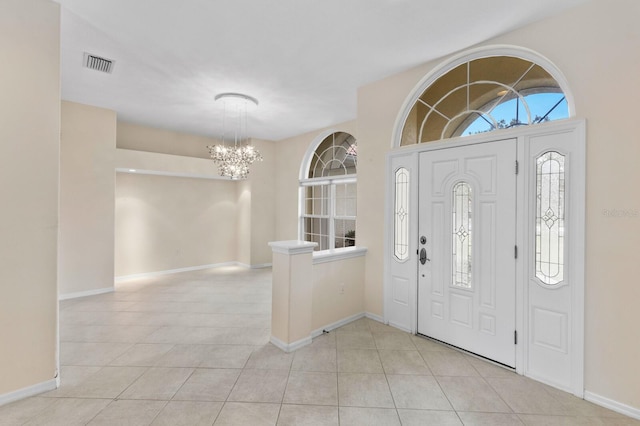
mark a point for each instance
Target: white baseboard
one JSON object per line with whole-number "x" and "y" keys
{"x": 616, "y": 406}
{"x": 77, "y": 294}
{"x": 334, "y": 325}
{"x": 256, "y": 266}
{"x": 123, "y": 278}
{"x": 28, "y": 391}
{"x": 290, "y": 347}
{"x": 374, "y": 317}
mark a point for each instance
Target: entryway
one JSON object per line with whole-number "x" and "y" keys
{"x": 467, "y": 262}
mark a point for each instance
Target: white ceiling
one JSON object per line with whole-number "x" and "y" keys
{"x": 302, "y": 59}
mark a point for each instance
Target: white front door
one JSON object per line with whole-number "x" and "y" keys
{"x": 467, "y": 229}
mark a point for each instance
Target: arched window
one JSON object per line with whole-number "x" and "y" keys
{"x": 484, "y": 95}
{"x": 328, "y": 193}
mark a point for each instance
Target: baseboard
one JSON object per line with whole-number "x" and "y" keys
{"x": 374, "y": 317}
{"x": 290, "y": 347}
{"x": 616, "y": 406}
{"x": 337, "y": 324}
{"x": 123, "y": 278}
{"x": 28, "y": 391}
{"x": 399, "y": 326}
{"x": 256, "y": 266}
{"x": 77, "y": 294}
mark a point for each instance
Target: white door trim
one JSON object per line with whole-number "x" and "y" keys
{"x": 409, "y": 156}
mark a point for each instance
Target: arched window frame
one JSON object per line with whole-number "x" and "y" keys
{"x": 479, "y": 53}
{"x": 328, "y": 185}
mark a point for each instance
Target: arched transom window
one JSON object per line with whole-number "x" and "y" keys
{"x": 483, "y": 95}
{"x": 328, "y": 193}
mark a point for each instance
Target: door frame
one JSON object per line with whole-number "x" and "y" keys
{"x": 408, "y": 157}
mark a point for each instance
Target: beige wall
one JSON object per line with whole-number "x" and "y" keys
{"x": 597, "y": 47}
{"x": 289, "y": 154}
{"x": 30, "y": 135}
{"x": 165, "y": 223}
{"x": 338, "y": 290}
{"x": 263, "y": 199}
{"x": 87, "y": 191}
{"x": 144, "y": 138}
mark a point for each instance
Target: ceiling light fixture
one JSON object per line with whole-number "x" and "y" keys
{"x": 235, "y": 154}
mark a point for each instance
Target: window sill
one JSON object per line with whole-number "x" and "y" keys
{"x": 325, "y": 256}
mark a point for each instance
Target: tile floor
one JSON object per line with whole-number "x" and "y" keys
{"x": 192, "y": 349}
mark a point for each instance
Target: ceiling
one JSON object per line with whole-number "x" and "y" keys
{"x": 302, "y": 59}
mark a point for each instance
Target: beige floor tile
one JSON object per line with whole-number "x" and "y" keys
{"x": 359, "y": 361}
{"x": 547, "y": 420}
{"x": 108, "y": 382}
{"x": 260, "y": 386}
{"x": 579, "y": 407}
{"x": 248, "y": 414}
{"x": 104, "y": 333}
{"x": 472, "y": 394}
{"x": 188, "y": 413}
{"x": 526, "y": 396}
{"x": 327, "y": 340}
{"x": 17, "y": 413}
{"x": 425, "y": 344}
{"x": 393, "y": 341}
{"x": 208, "y": 385}
{"x": 488, "y": 369}
{"x": 127, "y": 412}
{"x": 184, "y": 356}
{"x": 158, "y": 383}
{"x": 315, "y": 358}
{"x": 378, "y": 327}
{"x": 269, "y": 357}
{"x": 308, "y": 415}
{"x": 448, "y": 363}
{"x": 227, "y": 356}
{"x": 358, "y": 416}
{"x": 69, "y": 412}
{"x": 170, "y": 334}
{"x": 142, "y": 355}
{"x": 95, "y": 354}
{"x": 489, "y": 419}
{"x": 418, "y": 392}
{"x": 361, "y": 324}
{"x": 355, "y": 340}
{"x": 428, "y": 417}
{"x": 71, "y": 376}
{"x": 311, "y": 388}
{"x": 403, "y": 362}
{"x": 364, "y": 390}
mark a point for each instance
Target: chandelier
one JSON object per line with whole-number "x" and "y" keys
{"x": 235, "y": 154}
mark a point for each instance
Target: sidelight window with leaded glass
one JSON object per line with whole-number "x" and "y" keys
{"x": 462, "y": 207}
{"x": 550, "y": 209}
{"x": 401, "y": 214}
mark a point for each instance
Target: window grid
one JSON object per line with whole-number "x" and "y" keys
{"x": 328, "y": 195}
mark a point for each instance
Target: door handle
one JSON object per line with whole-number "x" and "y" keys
{"x": 423, "y": 256}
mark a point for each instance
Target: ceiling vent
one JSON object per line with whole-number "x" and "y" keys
{"x": 97, "y": 63}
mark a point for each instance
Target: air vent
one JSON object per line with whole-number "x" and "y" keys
{"x": 97, "y": 63}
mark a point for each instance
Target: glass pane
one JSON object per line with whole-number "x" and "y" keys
{"x": 401, "y": 215}
{"x": 345, "y": 233}
{"x": 346, "y": 200}
{"x": 461, "y": 236}
{"x": 317, "y": 231}
{"x": 317, "y": 200}
{"x": 550, "y": 217}
{"x": 489, "y": 86}
{"x": 336, "y": 155}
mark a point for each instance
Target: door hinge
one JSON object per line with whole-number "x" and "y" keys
{"x": 515, "y": 252}
{"x": 517, "y": 166}
{"x": 515, "y": 337}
